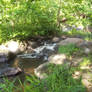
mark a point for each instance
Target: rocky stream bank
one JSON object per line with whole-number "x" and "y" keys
{"x": 33, "y": 57}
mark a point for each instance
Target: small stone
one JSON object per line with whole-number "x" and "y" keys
{"x": 87, "y": 51}
{"x": 55, "y": 39}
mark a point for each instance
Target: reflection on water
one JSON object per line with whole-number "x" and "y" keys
{"x": 27, "y": 65}
{"x": 3, "y": 65}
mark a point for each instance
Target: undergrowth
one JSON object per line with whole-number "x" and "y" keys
{"x": 60, "y": 80}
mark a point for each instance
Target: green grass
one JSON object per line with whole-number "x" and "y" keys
{"x": 68, "y": 49}
{"x": 60, "y": 80}
{"x": 21, "y": 19}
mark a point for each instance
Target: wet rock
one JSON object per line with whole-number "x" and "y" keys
{"x": 3, "y": 58}
{"x": 41, "y": 51}
{"x": 9, "y": 72}
{"x": 67, "y": 41}
{"x": 3, "y": 65}
{"x": 33, "y": 44}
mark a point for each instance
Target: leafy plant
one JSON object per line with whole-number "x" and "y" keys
{"x": 7, "y": 86}
{"x": 21, "y": 19}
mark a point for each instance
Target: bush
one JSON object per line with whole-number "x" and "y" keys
{"x": 21, "y": 19}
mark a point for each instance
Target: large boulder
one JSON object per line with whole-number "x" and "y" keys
{"x": 10, "y": 49}
{"x": 57, "y": 59}
{"x": 16, "y": 47}
{"x": 85, "y": 46}
{"x": 76, "y": 41}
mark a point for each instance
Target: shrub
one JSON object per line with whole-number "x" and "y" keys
{"x": 21, "y": 19}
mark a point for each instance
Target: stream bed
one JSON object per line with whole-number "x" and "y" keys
{"x": 27, "y": 62}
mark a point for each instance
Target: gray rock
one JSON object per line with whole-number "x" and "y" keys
{"x": 9, "y": 72}
{"x": 67, "y": 41}
{"x": 86, "y": 46}
{"x": 40, "y": 71}
{"x": 41, "y": 51}
{"x": 76, "y": 61}
{"x": 3, "y": 58}
{"x": 88, "y": 28}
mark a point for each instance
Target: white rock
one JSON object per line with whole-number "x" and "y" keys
{"x": 13, "y": 46}
{"x": 57, "y": 59}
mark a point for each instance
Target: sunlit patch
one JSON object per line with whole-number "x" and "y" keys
{"x": 86, "y": 83}
{"x": 2, "y": 47}
{"x": 84, "y": 67}
{"x": 13, "y": 46}
{"x": 85, "y": 62}
{"x": 58, "y": 59}
{"x": 76, "y": 75}
{"x": 6, "y": 0}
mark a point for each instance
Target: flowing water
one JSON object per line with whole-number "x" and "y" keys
{"x": 29, "y": 61}
{"x": 26, "y": 64}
